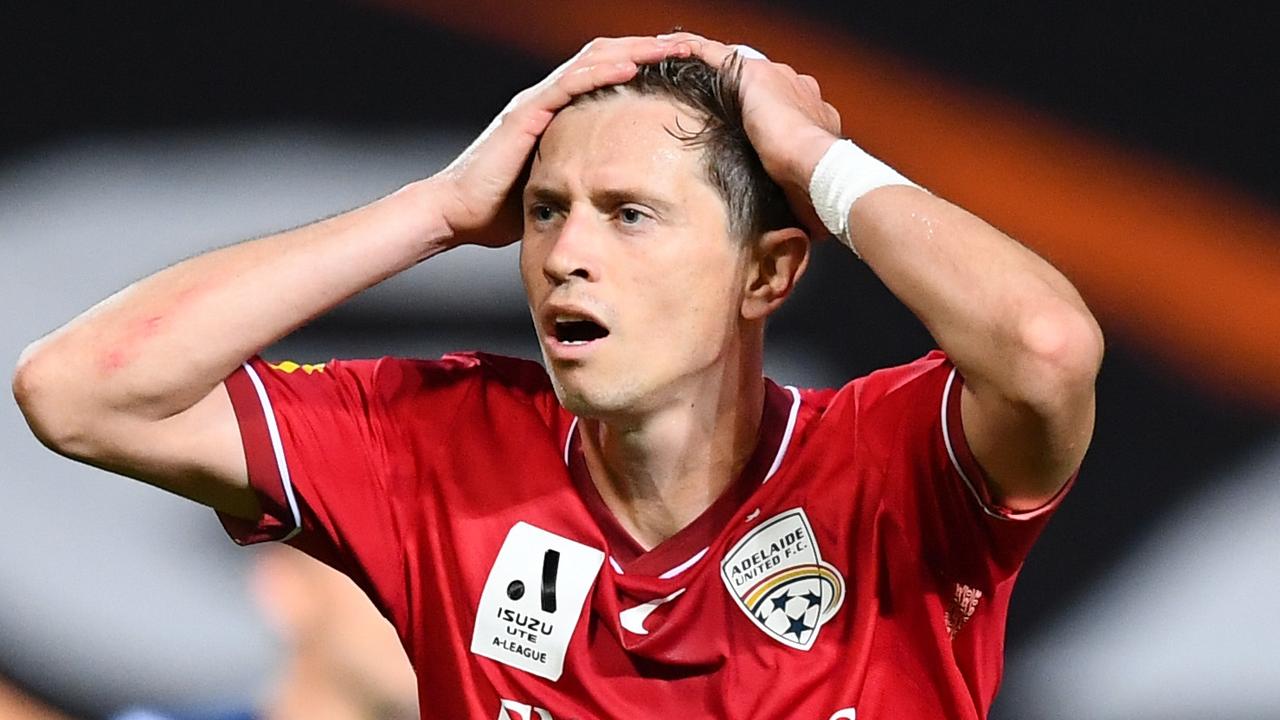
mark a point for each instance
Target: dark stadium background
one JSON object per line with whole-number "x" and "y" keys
{"x": 1151, "y": 595}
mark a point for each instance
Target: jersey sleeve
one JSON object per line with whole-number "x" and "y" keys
{"x": 341, "y": 458}
{"x": 933, "y": 480}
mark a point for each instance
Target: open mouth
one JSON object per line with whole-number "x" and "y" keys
{"x": 576, "y": 331}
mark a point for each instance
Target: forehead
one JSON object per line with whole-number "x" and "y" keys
{"x": 620, "y": 140}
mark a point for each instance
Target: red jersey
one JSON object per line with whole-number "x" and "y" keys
{"x": 856, "y": 569}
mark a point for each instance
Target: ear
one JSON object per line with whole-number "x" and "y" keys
{"x": 778, "y": 260}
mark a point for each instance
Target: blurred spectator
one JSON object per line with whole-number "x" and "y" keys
{"x": 343, "y": 660}
{"x": 17, "y": 705}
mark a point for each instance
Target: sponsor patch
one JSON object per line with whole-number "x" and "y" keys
{"x": 533, "y": 599}
{"x": 777, "y": 576}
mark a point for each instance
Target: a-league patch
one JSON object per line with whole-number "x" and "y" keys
{"x": 777, "y": 576}
{"x": 533, "y": 600}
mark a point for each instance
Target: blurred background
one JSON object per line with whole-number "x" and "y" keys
{"x": 1132, "y": 144}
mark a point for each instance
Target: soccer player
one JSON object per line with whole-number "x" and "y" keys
{"x": 648, "y": 528}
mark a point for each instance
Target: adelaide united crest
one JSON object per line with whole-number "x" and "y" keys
{"x": 777, "y": 576}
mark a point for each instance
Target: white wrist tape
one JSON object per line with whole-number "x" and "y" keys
{"x": 845, "y": 173}
{"x": 748, "y": 53}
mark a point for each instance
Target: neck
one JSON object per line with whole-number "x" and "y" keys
{"x": 659, "y": 472}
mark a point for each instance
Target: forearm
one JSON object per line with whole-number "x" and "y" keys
{"x": 157, "y": 347}
{"x": 1009, "y": 320}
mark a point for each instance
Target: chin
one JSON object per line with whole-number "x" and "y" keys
{"x": 595, "y": 400}
{"x": 583, "y": 403}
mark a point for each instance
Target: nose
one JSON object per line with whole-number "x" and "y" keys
{"x": 573, "y": 250}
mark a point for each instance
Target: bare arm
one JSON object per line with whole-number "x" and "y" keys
{"x": 134, "y": 385}
{"x": 1026, "y": 344}
{"x": 1024, "y": 341}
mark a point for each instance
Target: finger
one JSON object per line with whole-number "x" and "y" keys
{"x": 811, "y": 83}
{"x": 585, "y": 79}
{"x": 601, "y": 62}
{"x": 833, "y": 117}
{"x": 640, "y": 50}
{"x": 531, "y": 111}
{"x": 712, "y": 52}
{"x": 680, "y": 35}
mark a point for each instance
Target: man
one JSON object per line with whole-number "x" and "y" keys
{"x": 648, "y": 528}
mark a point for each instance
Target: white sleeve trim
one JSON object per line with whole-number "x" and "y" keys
{"x": 955, "y": 462}
{"x": 278, "y": 447}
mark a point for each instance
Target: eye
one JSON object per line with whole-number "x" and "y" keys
{"x": 542, "y": 212}
{"x": 631, "y": 216}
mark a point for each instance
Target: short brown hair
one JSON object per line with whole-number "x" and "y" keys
{"x": 755, "y": 203}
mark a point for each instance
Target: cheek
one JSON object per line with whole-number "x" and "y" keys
{"x": 530, "y": 266}
{"x": 697, "y": 300}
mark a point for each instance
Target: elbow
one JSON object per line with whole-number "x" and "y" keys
{"x": 1063, "y": 348}
{"x": 27, "y": 385}
{"x": 50, "y": 417}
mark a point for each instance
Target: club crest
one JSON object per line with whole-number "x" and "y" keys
{"x": 777, "y": 576}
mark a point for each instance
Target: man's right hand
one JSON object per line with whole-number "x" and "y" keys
{"x": 481, "y": 205}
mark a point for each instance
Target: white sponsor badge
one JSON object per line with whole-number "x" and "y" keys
{"x": 533, "y": 599}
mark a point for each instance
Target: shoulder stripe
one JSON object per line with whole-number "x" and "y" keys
{"x": 955, "y": 462}
{"x": 278, "y": 447}
{"x": 951, "y": 452}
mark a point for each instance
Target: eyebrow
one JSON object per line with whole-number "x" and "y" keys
{"x": 609, "y": 198}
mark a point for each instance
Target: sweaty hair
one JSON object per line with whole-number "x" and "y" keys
{"x": 755, "y": 203}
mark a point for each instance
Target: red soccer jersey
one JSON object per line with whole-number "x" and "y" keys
{"x": 856, "y": 569}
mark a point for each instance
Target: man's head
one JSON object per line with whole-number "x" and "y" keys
{"x": 654, "y": 244}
